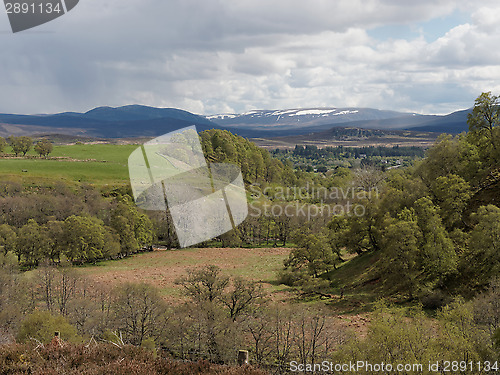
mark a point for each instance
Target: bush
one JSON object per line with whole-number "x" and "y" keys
{"x": 434, "y": 299}
{"x": 41, "y": 325}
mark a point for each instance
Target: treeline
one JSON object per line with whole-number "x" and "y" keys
{"x": 257, "y": 164}
{"x": 79, "y": 225}
{"x": 435, "y": 227}
{"x": 23, "y": 144}
{"x": 341, "y": 152}
{"x": 222, "y": 315}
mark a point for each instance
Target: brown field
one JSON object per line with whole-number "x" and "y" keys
{"x": 162, "y": 268}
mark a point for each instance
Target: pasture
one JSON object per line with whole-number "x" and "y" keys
{"x": 98, "y": 164}
{"x": 162, "y": 268}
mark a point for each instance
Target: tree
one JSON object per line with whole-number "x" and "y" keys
{"x": 21, "y": 145}
{"x": 55, "y": 230}
{"x": 357, "y": 233}
{"x": 452, "y": 193}
{"x": 3, "y": 144}
{"x": 462, "y": 337}
{"x": 484, "y": 124}
{"x": 44, "y": 147}
{"x": 487, "y": 307}
{"x": 241, "y": 297}
{"x": 8, "y": 238}
{"x": 401, "y": 251}
{"x": 83, "y": 238}
{"x": 496, "y": 339}
{"x": 140, "y": 312}
{"x": 313, "y": 251}
{"x": 135, "y": 229}
{"x": 481, "y": 261}
{"x": 33, "y": 243}
{"x": 437, "y": 254}
{"x": 453, "y": 155}
{"x": 204, "y": 285}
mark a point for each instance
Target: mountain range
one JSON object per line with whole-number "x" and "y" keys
{"x": 143, "y": 121}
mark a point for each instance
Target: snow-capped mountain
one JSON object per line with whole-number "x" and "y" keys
{"x": 306, "y": 117}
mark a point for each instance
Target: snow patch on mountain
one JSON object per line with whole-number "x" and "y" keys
{"x": 312, "y": 112}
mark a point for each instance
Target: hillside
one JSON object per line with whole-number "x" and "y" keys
{"x": 454, "y": 123}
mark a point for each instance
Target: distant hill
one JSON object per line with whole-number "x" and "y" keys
{"x": 307, "y": 120}
{"x": 293, "y": 119}
{"x": 454, "y": 123}
{"x": 108, "y": 122}
{"x": 143, "y": 121}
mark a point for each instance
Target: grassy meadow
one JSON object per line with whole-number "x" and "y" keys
{"x": 98, "y": 164}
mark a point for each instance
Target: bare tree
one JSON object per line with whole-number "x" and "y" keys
{"x": 140, "y": 312}
{"x": 204, "y": 284}
{"x": 241, "y": 297}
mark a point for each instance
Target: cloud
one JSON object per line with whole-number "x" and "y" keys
{"x": 221, "y": 56}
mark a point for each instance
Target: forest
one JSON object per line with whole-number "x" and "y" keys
{"x": 428, "y": 237}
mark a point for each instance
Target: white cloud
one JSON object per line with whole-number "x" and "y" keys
{"x": 223, "y": 56}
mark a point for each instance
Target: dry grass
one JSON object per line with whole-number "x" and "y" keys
{"x": 163, "y": 268}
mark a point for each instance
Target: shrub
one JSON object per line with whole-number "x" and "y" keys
{"x": 41, "y": 325}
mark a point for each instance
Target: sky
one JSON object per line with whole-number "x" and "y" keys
{"x": 233, "y": 56}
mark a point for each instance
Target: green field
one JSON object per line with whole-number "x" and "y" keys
{"x": 99, "y": 164}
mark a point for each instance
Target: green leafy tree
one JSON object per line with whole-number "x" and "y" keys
{"x": 55, "y": 233}
{"x": 33, "y": 243}
{"x": 481, "y": 260}
{"x": 8, "y": 238}
{"x": 453, "y": 155}
{"x": 452, "y": 193}
{"x": 313, "y": 252}
{"x": 44, "y": 147}
{"x": 400, "y": 257}
{"x": 21, "y": 145}
{"x": 358, "y": 233}
{"x": 83, "y": 238}
{"x": 461, "y": 336}
{"x": 484, "y": 123}
{"x": 111, "y": 244}
{"x": 437, "y": 252}
{"x": 135, "y": 229}
{"x": 122, "y": 226}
